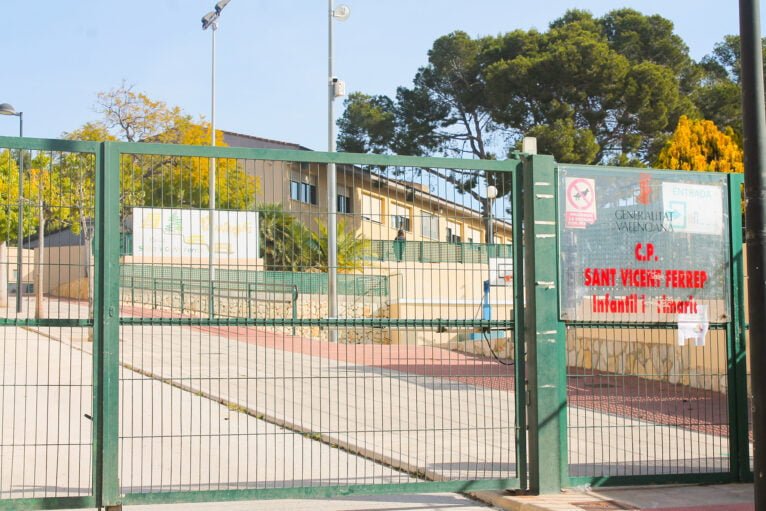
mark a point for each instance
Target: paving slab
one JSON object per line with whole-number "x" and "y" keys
{"x": 725, "y": 497}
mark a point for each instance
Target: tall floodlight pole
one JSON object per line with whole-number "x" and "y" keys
{"x": 755, "y": 180}
{"x": 335, "y": 89}
{"x": 210, "y": 20}
{"x": 6, "y": 109}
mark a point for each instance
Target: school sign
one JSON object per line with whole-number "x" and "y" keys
{"x": 643, "y": 247}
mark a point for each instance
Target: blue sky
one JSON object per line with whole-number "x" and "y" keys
{"x": 271, "y": 54}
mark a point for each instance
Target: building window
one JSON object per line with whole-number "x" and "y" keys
{"x": 454, "y": 234}
{"x": 344, "y": 200}
{"x": 303, "y": 192}
{"x": 429, "y": 226}
{"x": 372, "y": 208}
{"x": 344, "y": 204}
{"x": 472, "y": 235}
{"x": 401, "y": 217}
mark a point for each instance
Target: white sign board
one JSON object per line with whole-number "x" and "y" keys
{"x": 186, "y": 233}
{"x": 580, "y": 202}
{"x": 696, "y": 209}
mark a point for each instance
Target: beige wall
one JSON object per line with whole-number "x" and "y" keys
{"x": 62, "y": 266}
{"x": 27, "y": 261}
{"x": 274, "y": 187}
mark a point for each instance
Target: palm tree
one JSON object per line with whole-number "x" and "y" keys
{"x": 288, "y": 245}
{"x": 351, "y": 248}
{"x": 284, "y": 240}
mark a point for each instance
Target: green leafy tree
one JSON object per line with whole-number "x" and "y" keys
{"x": 591, "y": 89}
{"x": 719, "y": 97}
{"x": 446, "y": 111}
{"x": 618, "y": 77}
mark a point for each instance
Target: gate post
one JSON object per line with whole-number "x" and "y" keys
{"x": 106, "y": 328}
{"x": 544, "y": 334}
{"x": 736, "y": 345}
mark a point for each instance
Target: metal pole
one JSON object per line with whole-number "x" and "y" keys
{"x": 755, "y": 179}
{"x": 20, "y": 233}
{"x": 211, "y": 184}
{"x": 490, "y": 222}
{"x": 332, "y": 193}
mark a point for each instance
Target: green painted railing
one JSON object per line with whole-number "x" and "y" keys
{"x": 411, "y": 251}
{"x": 436, "y": 252}
{"x": 305, "y": 283}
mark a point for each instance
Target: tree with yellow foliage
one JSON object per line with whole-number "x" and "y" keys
{"x": 697, "y": 144}
{"x": 148, "y": 180}
{"x": 165, "y": 181}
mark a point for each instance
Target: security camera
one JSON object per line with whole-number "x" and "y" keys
{"x": 338, "y": 88}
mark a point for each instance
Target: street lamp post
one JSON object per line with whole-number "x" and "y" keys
{"x": 6, "y": 109}
{"x": 335, "y": 88}
{"x": 210, "y": 20}
{"x": 491, "y": 196}
{"x": 754, "y": 128}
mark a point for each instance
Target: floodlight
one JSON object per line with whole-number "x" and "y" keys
{"x": 220, "y": 5}
{"x": 209, "y": 19}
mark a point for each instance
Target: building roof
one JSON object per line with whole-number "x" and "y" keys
{"x": 252, "y": 142}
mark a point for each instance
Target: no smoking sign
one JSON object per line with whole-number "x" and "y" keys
{"x": 580, "y": 202}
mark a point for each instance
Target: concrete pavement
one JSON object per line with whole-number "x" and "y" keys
{"x": 729, "y": 497}
{"x": 315, "y": 417}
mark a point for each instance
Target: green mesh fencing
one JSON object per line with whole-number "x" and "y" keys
{"x": 307, "y": 283}
{"x": 438, "y": 252}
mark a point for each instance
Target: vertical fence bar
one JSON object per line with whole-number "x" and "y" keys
{"x": 518, "y": 319}
{"x": 106, "y": 328}
{"x": 295, "y": 306}
{"x": 249, "y": 297}
{"x": 736, "y": 346}
{"x": 544, "y": 333}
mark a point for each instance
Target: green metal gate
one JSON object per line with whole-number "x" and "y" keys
{"x": 648, "y": 259}
{"x": 199, "y": 378}
{"x": 224, "y": 377}
{"x": 50, "y": 380}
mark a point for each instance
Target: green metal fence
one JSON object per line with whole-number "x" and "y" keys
{"x": 417, "y": 251}
{"x": 199, "y": 377}
{"x": 306, "y": 283}
{"x": 226, "y": 377}
{"x": 438, "y": 252}
{"x": 655, "y": 349}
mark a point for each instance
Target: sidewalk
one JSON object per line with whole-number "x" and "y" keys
{"x": 733, "y": 497}
{"x": 728, "y": 497}
{"x": 318, "y": 415}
